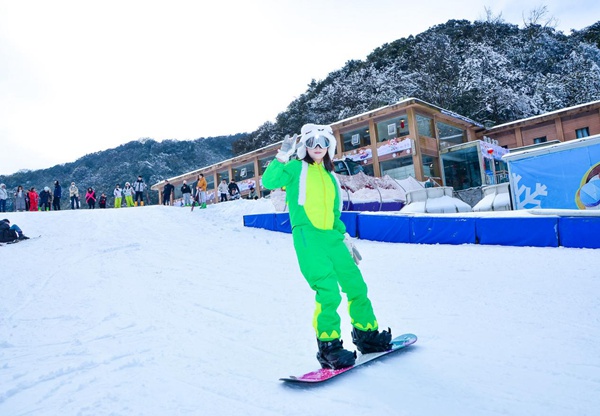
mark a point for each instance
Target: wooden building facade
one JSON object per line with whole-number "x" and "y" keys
{"x": 411, "y": 138}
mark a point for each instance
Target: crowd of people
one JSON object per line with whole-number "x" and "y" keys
{"x": 50, "y": 200}
{"x": 132, "y": 194}
{"x": 197, "y": 194}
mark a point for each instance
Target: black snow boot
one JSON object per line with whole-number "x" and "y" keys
{"x": 371, "y": 341}
{"x": 333, "y": 355}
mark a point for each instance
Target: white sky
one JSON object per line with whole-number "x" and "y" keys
{"x": 79, "y": 76}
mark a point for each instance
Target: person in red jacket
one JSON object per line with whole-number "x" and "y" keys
{"x": 33, "y": 199}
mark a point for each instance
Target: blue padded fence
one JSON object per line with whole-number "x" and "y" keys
{"x": 536, "y": 231}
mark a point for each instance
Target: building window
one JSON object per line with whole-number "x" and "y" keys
{"x": 355, "y": 139}
{"x": 223, "y": 175}
{"x": 429, "y": 166}
{"x": 424, "y": 126}
{"x": 581, "y": 133}
{"x": 210, "y": 182}
{"x": 263, "y": 163}
{"x": 392, "y": 128}
{"x": 538, "y": 140}
{"x": 241, "y": 173}
{"x": 400, "y": 168}
{"x": 461, "y": 168}
{"x": 449, "y": 135}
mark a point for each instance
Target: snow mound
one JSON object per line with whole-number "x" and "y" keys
{"x": 434, "y": 201}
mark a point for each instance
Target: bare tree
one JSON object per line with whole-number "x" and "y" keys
{"x": 539, "y": 17}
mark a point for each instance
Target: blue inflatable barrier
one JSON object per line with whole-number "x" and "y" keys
{"x": 579, "y": 232}
{"x": 266, "y": 221}
{"x": 387, "y": 228}
{"x": 518, "y": 231}
{"x": 442, "y": 230}
{"x": 536, "y": 231}
{"x": 350, "y": 219}
{"x": 282, "y": 222}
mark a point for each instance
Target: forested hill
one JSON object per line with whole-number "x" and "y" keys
{"x": 490, "y": 71}
{"x": 153, "y": 160}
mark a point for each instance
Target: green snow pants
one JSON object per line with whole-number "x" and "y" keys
{"x": 328, "y": 266}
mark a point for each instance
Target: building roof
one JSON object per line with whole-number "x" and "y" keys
{"x": 550, "y": 115}
{"x": 405, "y": 103}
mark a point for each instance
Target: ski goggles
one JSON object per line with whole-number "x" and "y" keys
{"x": 313, "y": 142}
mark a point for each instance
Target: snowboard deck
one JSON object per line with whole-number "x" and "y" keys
{"x": 324, "y": 374}
{"x": 20, "y": 241}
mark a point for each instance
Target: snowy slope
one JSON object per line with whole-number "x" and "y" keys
{"x": 163, "y": 311}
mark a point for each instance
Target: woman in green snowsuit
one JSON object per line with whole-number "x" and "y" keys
{"x": 323, "y": 247}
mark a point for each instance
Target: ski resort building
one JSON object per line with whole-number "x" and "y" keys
{"x": 413, "y": 138}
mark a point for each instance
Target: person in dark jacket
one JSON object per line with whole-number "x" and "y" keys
{"x": 234, "y": 190}
{"x": 45, "y": 198}
{"x": 187, "y": 194}
{"x": 167, "y": 193}
{"x": 56, "y": 196}
{"x": 102, "y": 200}
{"x": 9, "y": 232}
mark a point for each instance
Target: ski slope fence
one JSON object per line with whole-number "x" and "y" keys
{"x": 531, "y": 230}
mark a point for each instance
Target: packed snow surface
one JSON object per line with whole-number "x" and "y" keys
{"x": 162, "y": 311}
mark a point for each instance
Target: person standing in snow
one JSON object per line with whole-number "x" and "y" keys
{"x": 74, "y": 195}
{"x": 201, "y": 186}
{"x": 90, "y": 198}
{"x": 118, "y": 193}
{"x": 167, "y": 191}
{"x": 128, "y": 193}
{"x": 102, "y": 200}
{"x": 3, "y": 197}
{"x": 45, "y": 198}
{"x": 56, "y": 197}
{"x": 186, "y": 191}
{"x": 326, "y": 256}
{"x": 33, "y": 199}
{"x": 139, "y": 186}
{"x": 222, "y": 188}
{"x": 20, "y": 199}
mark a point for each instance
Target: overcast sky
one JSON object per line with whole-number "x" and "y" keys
{"x": 82, "y": 76}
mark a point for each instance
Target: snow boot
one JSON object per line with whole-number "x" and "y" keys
{"x": 333, "y": 355}
{"x": 203, "y": 205}
{"x": 372, "y": 341}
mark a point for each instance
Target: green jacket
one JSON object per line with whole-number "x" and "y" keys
{"x": 312, "y": 193}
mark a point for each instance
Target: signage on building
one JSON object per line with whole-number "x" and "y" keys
{"x": 395, "y": 146}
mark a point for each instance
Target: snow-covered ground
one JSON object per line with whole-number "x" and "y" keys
{"x": 162, "y": 311}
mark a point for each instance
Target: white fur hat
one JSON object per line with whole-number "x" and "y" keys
{"x": 316, "y": 130}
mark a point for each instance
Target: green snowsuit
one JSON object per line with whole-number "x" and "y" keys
{"x": 314, "y": 202}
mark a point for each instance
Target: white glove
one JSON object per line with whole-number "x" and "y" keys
{"x": 287, "y": 149}
{"x": 352, "y": 249}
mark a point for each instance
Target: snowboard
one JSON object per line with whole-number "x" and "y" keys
{"x": 20, "y": 241}
{"x": 327, "y": 373}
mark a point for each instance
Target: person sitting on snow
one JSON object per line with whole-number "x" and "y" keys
{"x": 9, "y": 233}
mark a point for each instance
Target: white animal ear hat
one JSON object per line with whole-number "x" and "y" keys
{"x": 316, "y": 130}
